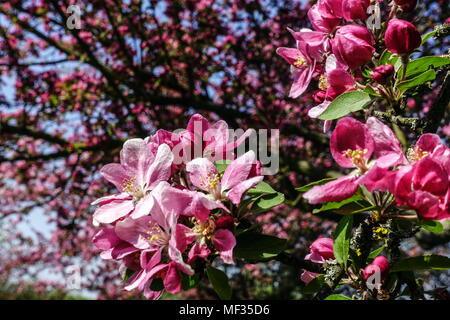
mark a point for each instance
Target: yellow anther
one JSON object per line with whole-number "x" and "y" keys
{"x": 418, "y": 154}
{"x": 301, "y": 62}
{"x": 358, "y": 252}
{"x": 154, "y": 237}
{"x": 323, "y": 83}
{"x": 357, "y": 158}
{"x": 380, "y": 232}
{"x": 211, "y": 181}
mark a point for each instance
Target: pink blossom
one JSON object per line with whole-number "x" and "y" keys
{"x": 139, "y": 172}
{"x": 240, "y": 175}
{"x": 321, "y": 250}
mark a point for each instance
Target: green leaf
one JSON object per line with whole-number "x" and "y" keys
{"x": 431, "y": 225}
{"x": 157, "y": 284}
{"x": 342, "y": 236}
{"x": 313, "y": 184}
{"x": 431, "y": 261}
{"x": 375, "y": 253}
{"x": 189, "y": 282}
{"x": 256, "y": 246}
{"x": 352, "y": 205}
{"x": 385, "y": 57}
{"x": 219, "y": 281}
{"x": 267, "y": 202}
{"x": 369, "y": 89}
{"x": 427, "y": 36}
{"x": 421, "y": 65}
{"x": 347, "y": 102}
{"x": 128, "y": 274}
{"x": 260, "y": 188}
{"x": 337, "y": 297}
{"x": 417, "y": 81}
{"x": 222, "y": 165}
{"x": 314, "y": 285}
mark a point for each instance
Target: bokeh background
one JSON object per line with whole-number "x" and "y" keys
{"x": 69, "y": 98}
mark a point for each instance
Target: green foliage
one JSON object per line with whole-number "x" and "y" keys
{"x": 425, "y": 262}
{"x": 342, "y": 236}
{"x": 219, "y": 281}
{"x": 347, "y": 102}
{"x": 256, "y": 247}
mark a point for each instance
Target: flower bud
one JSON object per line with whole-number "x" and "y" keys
{"x": 406, "y": 5}
{"x": 321, "y": 250}
{"x": 319, "y": 96}
{"x": 383, "y": 73}
{"x": 352, "y": 45}
{"x": 355, "y": 9}
{"x": 383, "y": 265}
{"x": 225, "y": 222}
{"x": 402, "y": 37}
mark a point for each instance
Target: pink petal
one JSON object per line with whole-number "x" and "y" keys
{"x": 113, "y": 211}
{"x": 307, "y": 276}
{"x": 134, "y": 231}
{"x": 377, "y": 178}
{"x": 106, "y": 239}
{"x": 235, "y": 194}
{"x": 238, "y": 170}
{"x": 224, "y": 242}
{"x": 336, "y": 190}
{"x": 135, "y": 156}
{"x": 198, "y": 251}
{"x": 301, "y": 81}
{"x": 160, "y": 169}
{"x": 172, "y": 282}
{"x": 388, "y": 149}
{"x": 116, "y": 174}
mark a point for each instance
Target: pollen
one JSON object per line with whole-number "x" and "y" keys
{"x": 301, "y": 62}
{"x": 211, "y": 181}
{"x": 358, "y": 252}
{"x": 357, "y": 158}
{"x": 128, "y": 185}
{"x": 380, "y": 232}
{"x": 418, "y": 154}
{"x": 323, "y": 83}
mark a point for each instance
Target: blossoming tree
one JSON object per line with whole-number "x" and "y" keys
{"x": 113, "y": 132}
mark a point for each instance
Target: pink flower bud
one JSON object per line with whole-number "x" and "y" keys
{"x": 383, "y": 265}
{"x": 383, "y": 73}
{"x": 352, "y": 45}
{"x": 225, "y": 222}
{"x": 402, "y": 37}
{"x": 406, "y": 5}
{"x": 355, "y": 9}
{"x": 321, "y": 250}
{"x": 319, "y": 96}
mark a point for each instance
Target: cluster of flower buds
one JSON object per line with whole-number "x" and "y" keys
{"x": 168, "y": 215}
{"x": 334, "y": 54}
